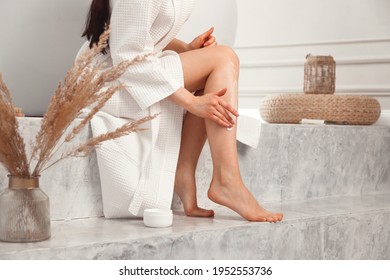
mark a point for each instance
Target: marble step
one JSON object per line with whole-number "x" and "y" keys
{"x": 325, "y": 228}
{"x": 292, "y": 162}
{"x": 299, "y": 162}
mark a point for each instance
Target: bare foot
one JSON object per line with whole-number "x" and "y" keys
{"x": 186, "y": 190}
{"x": 239, "y": 199}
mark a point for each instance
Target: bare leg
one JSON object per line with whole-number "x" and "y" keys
{"x": 213, "y": 69}
{"x": 227, "y": 187}
{"x": 192, "y": 141}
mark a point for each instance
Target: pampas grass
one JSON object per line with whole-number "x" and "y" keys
{"x": 86, "y": 85}
{"x": 12, "y": 148}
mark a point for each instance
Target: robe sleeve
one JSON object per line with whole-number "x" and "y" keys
{"x": 148, "y": 82}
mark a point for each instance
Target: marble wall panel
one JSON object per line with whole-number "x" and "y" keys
{"x": 292, "y": 162}
{"x": 73, "y": 185}
{"x": 299, "y": 162}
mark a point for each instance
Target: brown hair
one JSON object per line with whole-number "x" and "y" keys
{"x": 98, "y": 18}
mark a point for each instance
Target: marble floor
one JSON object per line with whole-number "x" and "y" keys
{"x": 325, "y": 228}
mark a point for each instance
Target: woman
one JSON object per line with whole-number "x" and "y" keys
{"x": 142, "y": 170}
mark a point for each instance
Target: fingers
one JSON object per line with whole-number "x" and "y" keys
{"x": 225, "y": 114}
{"x": 211, "y": 41}
{"x": 224, "y": 109}
{"x": 219, "y": 121}
{"x": 218, "y": 114}
{"x": 208, "y": 39}
{"x": 228, "y": 107}
{"x": 211, "y": 45}
{"x": 213, "y": 107}
{"x": 207, "y": 34}
{"x": 204, "y": 40}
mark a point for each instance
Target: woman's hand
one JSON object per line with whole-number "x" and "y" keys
{"x": 213, "y": 107}
{"x": 204, "y": 40}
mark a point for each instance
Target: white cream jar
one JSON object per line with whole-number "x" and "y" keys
{"x": 158, "y": 218}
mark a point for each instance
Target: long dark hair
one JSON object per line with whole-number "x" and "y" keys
{"x": 98, "y": 17}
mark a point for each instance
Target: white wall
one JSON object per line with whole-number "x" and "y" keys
{"x": 274, "y": 36}
{"x": 220, "y": 14}
{"x": 39, "y": 41}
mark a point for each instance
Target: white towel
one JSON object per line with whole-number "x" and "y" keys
{"x": 249, "y": 127}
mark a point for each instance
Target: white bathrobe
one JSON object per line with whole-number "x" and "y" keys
{"x": 137, "y": 171}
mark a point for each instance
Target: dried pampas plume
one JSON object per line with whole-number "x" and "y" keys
{"x": 86, "y": 85}
{"x": 12, "y": 148}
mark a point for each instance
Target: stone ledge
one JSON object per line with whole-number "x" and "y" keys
{"x": 292, "y": 162}
{"x": 328, "y": 228}
{"x": 300, "y": 162}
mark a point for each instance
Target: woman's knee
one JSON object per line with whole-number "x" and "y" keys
{"x": 227, "y": 54}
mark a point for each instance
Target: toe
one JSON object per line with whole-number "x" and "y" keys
{"x": 207, "y": 213}
{"x": 199, "y": 212}
{"x": 272, "y": 218}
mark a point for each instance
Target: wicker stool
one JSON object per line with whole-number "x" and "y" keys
{"x": 319, "y": 102}
{"x": 339, "y": 109}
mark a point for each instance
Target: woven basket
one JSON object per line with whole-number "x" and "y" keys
{"x": 340, "y": 109}
{"x": 320, "y": 75}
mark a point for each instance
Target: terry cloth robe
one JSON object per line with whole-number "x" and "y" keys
{"x": 138, "y": 171}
